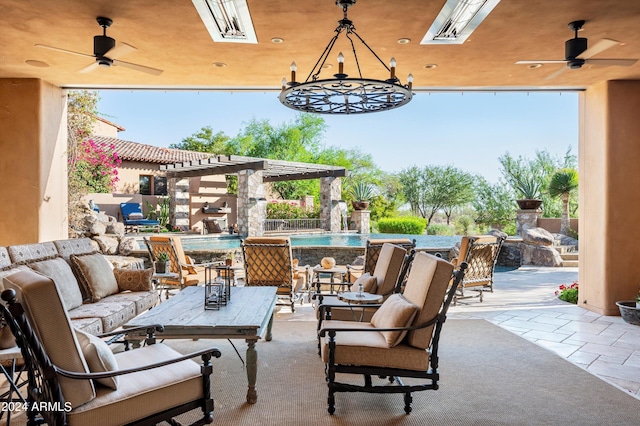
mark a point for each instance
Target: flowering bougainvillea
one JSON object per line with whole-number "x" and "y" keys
{"x": 96, "y": 165}
{"x": 568, "y": 293}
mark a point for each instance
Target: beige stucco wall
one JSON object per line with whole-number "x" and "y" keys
{"x": 609, "y": 155}
{"x": 33, "y": 135}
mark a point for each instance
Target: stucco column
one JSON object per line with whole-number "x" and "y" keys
{"x": 609, "y": 235}
{"x": 330, "y": 195}
{"x": 33, "y": 164}
{"x": 252, "y": 204}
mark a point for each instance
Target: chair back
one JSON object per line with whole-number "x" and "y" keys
{"x": 45, "y": 335}
{"x": 127, "y": 208}
{"x": 389, "y": 264}
{"x": 373, "y": 248}
{"x": 268, "y": 261}
{"x": 481, "y": 254}
{"x": 426, "y": 287}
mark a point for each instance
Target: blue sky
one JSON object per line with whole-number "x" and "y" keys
{"x": 468, "y": 130}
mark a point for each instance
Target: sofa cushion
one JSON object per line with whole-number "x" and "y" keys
{"x": 88, "y": 325}
{"x": 27, "y": 253}
{"x": 77, "y": 246}
{"x": 95, "y": 274}
{"x": 99, "y": 357}
{"x": 133, "y": 280}
{"x": 60, "y": 272}
{"x": 396, "y": 311}
{"x": 142, "y": 300}
{"x": 5, "y": 260}
{"x": 112, "y": 313}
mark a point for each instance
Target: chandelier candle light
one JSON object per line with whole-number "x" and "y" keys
{"x": 341, "y": 94}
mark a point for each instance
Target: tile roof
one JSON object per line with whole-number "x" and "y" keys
{"x": 134, "y": 151}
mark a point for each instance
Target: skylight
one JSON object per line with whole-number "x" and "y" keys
{"x": 457, "y": 20}
{"x": 228, "y": 21}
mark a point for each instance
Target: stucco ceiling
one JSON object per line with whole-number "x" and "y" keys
{"x": 170, "y": 35}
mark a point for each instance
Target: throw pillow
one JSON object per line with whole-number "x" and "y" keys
{"x": 135, "y": 216}
{"x": 95, "y": 274}
{"x": 369, "y": 283}
{"x": 396, "y": 311}
{"x": 99, "y": 357}
{"x": 133, "y": 279}
{"x": 61, "y": 274}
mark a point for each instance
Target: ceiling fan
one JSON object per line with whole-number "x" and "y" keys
{"x": 105, "y": 52}
{"x": 577, "y": 53}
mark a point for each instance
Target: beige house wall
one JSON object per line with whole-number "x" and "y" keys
{"x": 33, "y": 166}
{"x": 609, "y": 154}
{"x": 552, "y": 224}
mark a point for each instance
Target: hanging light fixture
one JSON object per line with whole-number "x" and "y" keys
{"x": 342, "y": 94}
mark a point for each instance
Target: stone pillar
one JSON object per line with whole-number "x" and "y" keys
{"x": 330, "y": 195}
{"x": 361, "y": 219}
{"x": 179, "y": 204}
{"x": 526, "y": 219}
{"x": 252, "y": 204}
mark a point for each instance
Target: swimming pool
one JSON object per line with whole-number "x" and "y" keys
{"x": 340, "y": 240}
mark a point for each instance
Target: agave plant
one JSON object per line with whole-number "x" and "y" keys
{"x": 527, "y": 187}
{"x": 362, "y": 191}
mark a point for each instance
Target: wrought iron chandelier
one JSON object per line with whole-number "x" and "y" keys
{"x": 341, "y": 94}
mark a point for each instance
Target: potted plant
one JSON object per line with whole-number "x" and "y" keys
{"x": 362, "y": 193}
{"x": 160, "y": 264}
{"x": 528, "y": 189}
{"x": 229, "y": 258}
{"x": 630, "y": 310}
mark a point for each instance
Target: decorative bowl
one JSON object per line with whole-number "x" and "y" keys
{"x": 629, "y": 312}
{"x": 328, "y": 262}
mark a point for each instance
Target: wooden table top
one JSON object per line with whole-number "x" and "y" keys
{"x": 246, "y": 315}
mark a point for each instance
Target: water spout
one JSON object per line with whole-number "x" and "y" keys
{"x": 343, "y": 211}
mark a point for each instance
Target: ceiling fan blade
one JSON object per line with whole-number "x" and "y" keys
{"x": 120, "y": 50}
{"x": 544, "y": 61}
{"x": 44, "y": 46}
{"x": 608, "y": 62}
{"x": 137, "y": 67}
{"x": 600, "y": 46}
{"x": 557, "y": 73}
{"x": 92, "y": 67}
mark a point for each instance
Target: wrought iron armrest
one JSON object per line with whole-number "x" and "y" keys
{"x": 332, "y": 331}
{"x": 355, "y": 267}
{"x": 206, "y": 355}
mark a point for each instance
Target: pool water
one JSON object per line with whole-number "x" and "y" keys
{"x": 340, "y": 240}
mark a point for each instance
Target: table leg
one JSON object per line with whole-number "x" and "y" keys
{"x": 252, "y": 371}
{"x": 269, "y": 335}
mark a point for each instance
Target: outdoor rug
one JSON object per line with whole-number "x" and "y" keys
{"x": 489, "y": 376}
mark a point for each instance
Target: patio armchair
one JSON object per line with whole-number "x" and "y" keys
{"x": 268, "y": 261}
{"x": 400, "y": 341}
{"x": 480, "y": 253}
{"x": 133, "y": 218}
{"x": 75, "y": 379}
{"x": 387, "y": 278}
{"x": 189, "y": 272}
{"x": 371, "y": 254}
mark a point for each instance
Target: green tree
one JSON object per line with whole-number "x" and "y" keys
{"x": 205, "y": 140}
{"x": 425, "y": 189}
{"x": 457, "y": 190}
{"x": 564, "y": 182}
{"x": 493, "y": 204}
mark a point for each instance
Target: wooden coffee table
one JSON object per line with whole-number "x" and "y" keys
{"x": 248, "y": 315}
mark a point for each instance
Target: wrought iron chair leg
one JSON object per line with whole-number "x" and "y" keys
{"x": 331, "y": 400}
{"x": 408, "y": 399}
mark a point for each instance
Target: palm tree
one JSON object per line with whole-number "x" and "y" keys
{"x": 563, "y": 183}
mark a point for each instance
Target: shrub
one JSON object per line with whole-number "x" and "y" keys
{"x": 402, "y": 225}
{"x": 568, "y": 293}
{"x": 510, "y": 229}
{"x": 464, "y": 224}
{"x": 287, "y": 210}
{"x": 439, "y": 229}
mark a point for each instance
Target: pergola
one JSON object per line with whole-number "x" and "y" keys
{"x": 253, "y": 173}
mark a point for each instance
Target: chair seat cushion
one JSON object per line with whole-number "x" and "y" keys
{"x": 144, "y": 393}
{"x": 370, "y": 348}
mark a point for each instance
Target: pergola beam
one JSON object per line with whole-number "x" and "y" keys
{"x": 305, "y": 175}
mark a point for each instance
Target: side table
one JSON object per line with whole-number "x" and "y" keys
{"x": 157, "y": 279}
{"x": 361, "y": 299}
